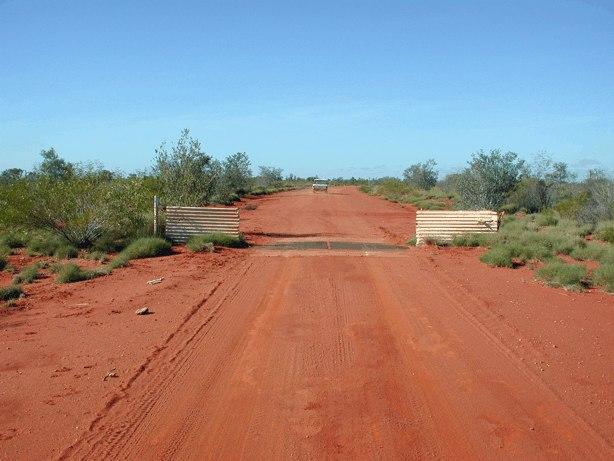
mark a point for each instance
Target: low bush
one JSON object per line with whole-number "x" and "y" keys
{"x": 606, "y": 234}
{"x": 471, "y": 240}
{"x": 498, "y": 256}
{"x": 147, "y": 247}
{"x": 110, "y": 243}
{"x": 27, "y": 274}
{"x": 3, "y": 262}
{"x": 96, "y": 255}
{"x": 197, "y": 244}
{"x": 12, "y": 240}
{"x": 604, "y": 276}
{"x": 66, "y": 252}
{"x": 69, "y": 273}
{"x": 10, "y": 292}
{"x": 588, "y": 251}
{"x": 436, "y": 241}
{"x": 546, "y": 219}
{"x": 413, "y": 241}
{"x": 217, "y": 239}
{"x": 44, "y": 245}
{"x": 559, "y": 274}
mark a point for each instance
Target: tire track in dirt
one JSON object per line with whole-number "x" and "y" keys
{"x": 550, "y": 426}
{"x": 100, "y": 431}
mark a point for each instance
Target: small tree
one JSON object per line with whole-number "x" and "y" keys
{"x": 237, "y": 173}
{"x": 270, "y": 176}
{"x": 11, "y": 175}
{"x": 422, "y": 175}
{"x": 541, "y": 186}
{"x": 489, "y": 179}
{"x": 53, "y": 166}
{"x": 599, "y": 191}
{"x": 188, "y": 175}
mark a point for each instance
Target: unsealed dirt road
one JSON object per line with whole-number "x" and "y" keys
{"x": 316, "y": 351}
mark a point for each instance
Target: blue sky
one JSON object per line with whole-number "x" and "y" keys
{"x": 328, "y": 88}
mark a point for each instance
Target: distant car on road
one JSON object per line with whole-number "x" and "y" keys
{"x": 320, "y": 184}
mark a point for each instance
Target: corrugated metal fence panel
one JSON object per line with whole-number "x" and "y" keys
{"x": 444, "y": 225}
{"x": 183, "y": 222}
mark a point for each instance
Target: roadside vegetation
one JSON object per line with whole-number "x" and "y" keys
{"x": 207, "y": 242}
{"x": 558, "y": 224}
{"x": 549, "y": 219}
{"x": 61, "y": 210}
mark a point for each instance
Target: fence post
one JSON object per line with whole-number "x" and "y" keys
{"x": 156, "y": 205}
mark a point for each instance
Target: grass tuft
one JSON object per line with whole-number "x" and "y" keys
{"x": 604, "y": 276}
{"x": 606, "y": 234}
{"x": 145, "y": 247}
{"x": 217, "y": 239}
{"x": 10, "y": 292}
{"x": 559, "y": 274}
{"x": 498, "y": 256}
{"x": 44, "y": 245}
{"x": 27, "y": 275}
{"x": 66, "y": 252}
{"x": 12, "y": 240}
{"x": 69, "y": 273}
{"x": 471, "y": 240}
{"x": 197, "y": 245}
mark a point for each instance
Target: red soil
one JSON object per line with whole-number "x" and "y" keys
{"x": 263, "y": 354}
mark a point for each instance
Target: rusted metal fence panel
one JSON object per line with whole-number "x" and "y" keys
{"x": 183, "y": 222}
{"x": 444, "y": 225}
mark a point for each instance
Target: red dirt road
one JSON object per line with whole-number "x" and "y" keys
{"x": 311, "y": 354}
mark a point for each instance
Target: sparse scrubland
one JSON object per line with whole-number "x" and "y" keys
{"x": 62, "y": 210}
{"x": 549, "y": 218}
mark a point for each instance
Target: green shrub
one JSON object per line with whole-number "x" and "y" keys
{"x": 604, "y": 277}
{"x": 559, "y": 274}
{"x": 147, "y": 247}
{"x": 96, "y": 255}
{"x": 412, "y": 241}
{"x": 218, "y": 239}
{"x": 3, "y": 262}
{"x": 472, "y": 240}
{"x": 10, "y": 292}
{"x": 12, "y": 240}
{"x": 436, "y": 241}
{"x": 121, "y": 260}
{"x": 546, "y": 219}
{"x": 198, "y": 244}
{"x": 606, "y": 234}
{"x": 44, "y": 245}
{"x": 588, "y": 251}
{"x": 66, "y": 252}
{"x": 110, "y": 243}
{"x": 498, "y": 256}
{"x": 69, "y": 273}
{"x": 27, "y": 274}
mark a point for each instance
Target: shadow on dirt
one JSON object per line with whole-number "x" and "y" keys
{"x": 283, "y": 235}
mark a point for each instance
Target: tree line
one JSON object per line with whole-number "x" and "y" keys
{"x": 503, "y": 181}
{"x": 84, "y": 203}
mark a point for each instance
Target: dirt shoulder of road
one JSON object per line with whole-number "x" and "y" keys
{"x": 67, "y": 349}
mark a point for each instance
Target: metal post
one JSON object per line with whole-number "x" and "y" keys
{"x": 155, "y": 206}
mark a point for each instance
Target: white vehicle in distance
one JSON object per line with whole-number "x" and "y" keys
{"x": 320, "y": 184}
